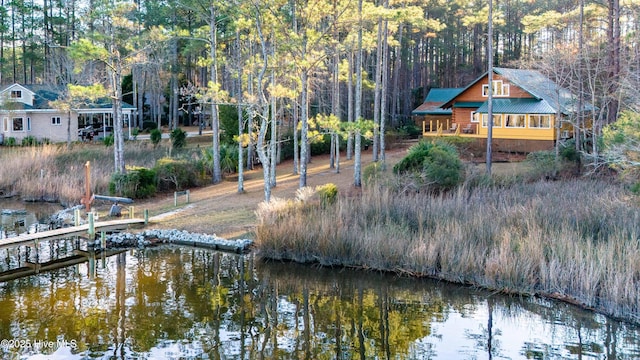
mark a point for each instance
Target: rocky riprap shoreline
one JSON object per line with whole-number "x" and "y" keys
{"x": 179, "y": 237}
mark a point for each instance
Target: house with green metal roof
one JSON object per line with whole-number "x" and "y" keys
{"x": 26, "y": 111}
{"x": 430, "y": 112}
{"x": 529, "y": 110}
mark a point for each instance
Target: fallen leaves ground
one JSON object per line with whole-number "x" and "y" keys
{"x": 219, "y": 209}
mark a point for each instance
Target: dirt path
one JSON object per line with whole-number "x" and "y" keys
{"x": 219, "y": 209}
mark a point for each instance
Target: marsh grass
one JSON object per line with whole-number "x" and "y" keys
{"x": 55, "y": 173}
{"x": 577, "y": 240}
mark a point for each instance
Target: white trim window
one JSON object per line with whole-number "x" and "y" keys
{"x": 540, "y": 121}
{"x": 497, "y": 120}
{"x": 5, "y": 124}
{"x": 56, "y": 121}
{"x": 16, "y": 94}
{"x": 475, "y": 117}
{"x": 515, "y": 120}
{"x": 28, "y": 124}
{"x": 499, "y": 89}
{"x": 18, "y": 124}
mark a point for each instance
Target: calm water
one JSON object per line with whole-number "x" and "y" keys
{"x": 17, "y": 216}
{"x": 183, "y": 303}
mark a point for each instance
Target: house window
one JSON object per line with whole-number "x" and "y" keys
{"x": 499, "y": 89}
{"x": 16, "y": 94}
{"x": 18, "y": 124}
{"x": 514, "y": 121}
{"x": 540, "y": 121}
{"x": 475, "y": 117}
{"x": 55, "y": 120}
{"x": 497, "y": 120}
{"x": 5, "y": 126}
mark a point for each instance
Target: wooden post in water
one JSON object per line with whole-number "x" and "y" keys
{"x": 92, "y": 230}
{"x": 87, "y": 200}
{"x": 76, "y": 217}
{"x": 103, "y": 241}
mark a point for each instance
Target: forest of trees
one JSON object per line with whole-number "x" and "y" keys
{"x": 290, "y": 60}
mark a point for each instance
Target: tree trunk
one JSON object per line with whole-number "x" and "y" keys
{"x": 377, "y": 86}
{"x": 274, "y": 129}
{"x": 490, "y": 89}
{"x": 350, "y": 104}
{"x": 215, "y": 123}
{"x": 304, "y": 121}
{"x": 385, "y": 81}
{"x": 358, "y": 138}
{"x": 263, "y": 107}
{"x": 240, "y": 117}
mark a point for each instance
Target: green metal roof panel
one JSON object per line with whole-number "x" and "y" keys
{"x": 435, "y": 98}
{"x": 437, "y": 95}
{"x": 436, "y": 111}
{"x": 518, "y": 106}
{"x": 467, "y": 104}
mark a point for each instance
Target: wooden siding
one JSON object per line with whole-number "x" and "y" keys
{"x": 41, "y": 126}
{"x": 474, "y": 93}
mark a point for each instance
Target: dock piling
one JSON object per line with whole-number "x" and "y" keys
{"x": 91, "y": 231}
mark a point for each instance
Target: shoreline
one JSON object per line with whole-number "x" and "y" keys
{"x": 516, "y": 245}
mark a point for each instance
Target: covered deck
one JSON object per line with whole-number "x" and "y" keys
{"x": 434, "y": 128}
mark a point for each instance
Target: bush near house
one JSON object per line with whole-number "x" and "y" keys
{"x": 178, "y": 138}
{"x": 155, "y": 137}
{"x": 178, "y": 174}
{"x": 136, "y": 183}
{"x": 436, "y": 164}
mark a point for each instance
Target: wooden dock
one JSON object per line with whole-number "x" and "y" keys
{"x": 30, "y": 268}
{"x": 82, "y": 230}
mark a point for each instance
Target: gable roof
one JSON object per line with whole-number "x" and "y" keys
{"x": 538, "y": 86}
{"x": 517, "y": 106}
{"x": 435, "y": 98}
{"x": 43, "y": 94}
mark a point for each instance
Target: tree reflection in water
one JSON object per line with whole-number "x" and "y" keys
{"x": 179, "y": 302}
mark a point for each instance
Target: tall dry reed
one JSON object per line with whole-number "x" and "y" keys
{"x": 55, "y": 173}
{"x": 578, "y": 240}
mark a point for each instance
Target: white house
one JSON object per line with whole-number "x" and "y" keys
{"x": 25, "y": 112}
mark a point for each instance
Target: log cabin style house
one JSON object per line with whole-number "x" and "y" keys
{"x": 530, "y": 111}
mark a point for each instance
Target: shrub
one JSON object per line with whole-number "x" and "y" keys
{"x": 228, "y": 159}
{"x": 410, "y": 130}
{"x": 543, "y": 164}
{"x": 414, "y": 159}
{"x": 137, "y": 183}
{"x": 108, "y": 140}
{"x": 327, "y": 193}
{"x": 568, "y": 151}
{"x": 155, "y": 137}
{"x": 149, "y": 125}
{"x": 177, "y": 174}
{"x": 322, "y": 145}
{"x": 134, "y": 133}
{"x": 443, "y": 167}
{"x": 29, "y": 141}
{"x": 10, "y": 141}
{"x": 437, "y": 163}
{"x": 178, "y": 138}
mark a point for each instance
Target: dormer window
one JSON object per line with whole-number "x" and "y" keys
{"x": 499, "y": 89}
{"x": 16, "y": 94}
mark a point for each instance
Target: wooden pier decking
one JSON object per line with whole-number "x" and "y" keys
{"x": 82, "y": 230}
{"x": 29, "y": 268}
